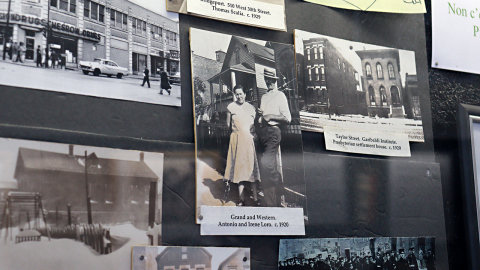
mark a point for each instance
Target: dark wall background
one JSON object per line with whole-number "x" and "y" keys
{"x": 112, "y": 123}
{"x": 447, "y": 89}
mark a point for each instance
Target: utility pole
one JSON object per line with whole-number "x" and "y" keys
{"x": 89, "y": 206}
{"x": 5, "y": 31}
{"x": 47, "y": 49}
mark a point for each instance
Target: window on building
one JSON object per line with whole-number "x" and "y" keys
{"x": 184, "y": 256}
{"x": 358, "y": 87}
{"x": 368, "y": 70}
{"x": 321, "y": 52}
{"x": 134, "y": 25}
{"x": 391, "y": 72}
{"x": 317, "y": 74}
{"x": 343, "y": 67}
{"x": 315, "y": 53}
{"x": 144, "y": 28}
{"x": 94, "y": 11}
{"x": 338, "y": 60}
{"x": 322, "y": 70}
{"x": 355, "y": 74}
{"x": 308, "y": 54}
{"x": 86, "y": 8}
{"x": 119, "y": 20}
{"x": 67, "y": 5}
{"x": 379, "y": 71}
{"x": 155, "y": 31}
{"x": 101, "y": 13}
{"x": 383, "y": 95}
{"x": 125, "y": 22}
{"x": 310, "y": 74}
{"x": 371, "y": 94}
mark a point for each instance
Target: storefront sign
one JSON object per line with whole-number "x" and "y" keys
{"x": 173, "y": 54}
{"x": 73, "y": 30}
{"x": 156, "y": 52}
{"x": 53, "y": 25}
{"x": 23, "y": 18}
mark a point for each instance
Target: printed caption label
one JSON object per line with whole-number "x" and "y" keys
{"x": 251, "y": 12}
{"x": 362, "y": 142}
{"x": 221, "y": 220}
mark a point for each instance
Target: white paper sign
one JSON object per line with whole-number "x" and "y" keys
{"x": 221, "y": 220}
{"x": 364, "y": 142}
{"x": 456, "y": 35}
{"x": 267, "y": 14}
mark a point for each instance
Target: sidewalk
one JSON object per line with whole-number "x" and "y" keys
{"x": 30, "y": 63}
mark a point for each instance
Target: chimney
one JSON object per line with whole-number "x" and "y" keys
{"x": 220, "y": 56}
{"x": 142, "y": 156}
{"x": 70, "y": 150}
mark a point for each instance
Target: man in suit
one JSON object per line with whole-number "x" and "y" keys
{"x": 273, "y": 113}
{"x": 146, "y": 77}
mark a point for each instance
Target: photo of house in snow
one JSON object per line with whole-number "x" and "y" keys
{"x": 85, "y": 206}
{"x": 190, "y": 258}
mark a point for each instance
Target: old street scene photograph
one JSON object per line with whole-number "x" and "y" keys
{"x": 383, "y": 253}
{"x": 198, "y": 258}
{"x": 248, "y": 137}
{"x": 357, "y": 86}
{"x": 76, "y": 207}
{"x": 118, "y": 49}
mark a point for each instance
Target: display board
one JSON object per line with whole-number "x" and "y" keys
{"x": 409, "y": 188}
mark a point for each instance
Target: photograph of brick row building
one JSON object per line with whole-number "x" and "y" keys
{"x": 346, "y": 81}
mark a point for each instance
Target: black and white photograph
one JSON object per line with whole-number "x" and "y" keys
{"x": 76, "y": 207}
{"x": 119, "y": 49}
{"x": 248, "y": 137}
{"x": 382, "y": 253}
{"x": 195, "y": 258}
{"x": 357, "y": 86}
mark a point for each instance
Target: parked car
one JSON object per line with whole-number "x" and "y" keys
{"x": 103, "y": 66}
{"x": 174, "y": 79}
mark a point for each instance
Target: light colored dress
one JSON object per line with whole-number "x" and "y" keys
{"x": 242, "y": 164}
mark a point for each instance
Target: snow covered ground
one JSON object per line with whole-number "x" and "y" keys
{"x": 315, "y": 122}
{"x": 67, "y": 253}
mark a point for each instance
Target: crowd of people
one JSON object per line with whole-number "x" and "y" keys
{"x": 17, "y": 51}
{"x": 383, "y": 261}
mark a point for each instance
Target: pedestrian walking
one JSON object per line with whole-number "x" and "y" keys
{"x": 54, "y": 58}
{"x": 9, "y": 48}
{"x": 146, "y": 77}
{"x": 164, "y": 84}
{"x": 39, "y": 56}
{"x": 15, "y": 52}
{"x": 21, "y": 52}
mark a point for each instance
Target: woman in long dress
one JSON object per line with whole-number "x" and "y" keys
{"x": 242, "y": 164}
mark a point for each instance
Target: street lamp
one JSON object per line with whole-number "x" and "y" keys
{"x": 5, "y": 30}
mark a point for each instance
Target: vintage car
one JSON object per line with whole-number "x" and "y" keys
{"x": 103, "y": 66}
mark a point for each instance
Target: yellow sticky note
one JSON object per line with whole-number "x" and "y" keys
{"x": 392, "y": 6}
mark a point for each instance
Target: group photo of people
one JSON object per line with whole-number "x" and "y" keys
{"x": 249, "y": 150}
{"x": 357, "y": 254}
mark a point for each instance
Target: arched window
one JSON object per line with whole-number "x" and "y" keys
{"x": 391, "y": 72}
{"x": 317, "y": 75}
{"x": 321, "y": 52}
{"x": 310, "y": 74}
{"x": 315, "y": 53}
{"x": 383, "y": 95}
{"x": 371, "y": 94}
{"x": 379, "y": 71}
{"x": 368, "y": 70}
{"x": 322, "y": 71}
{"x": 308, "y": 54}
{"x": 395, "y": 96}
